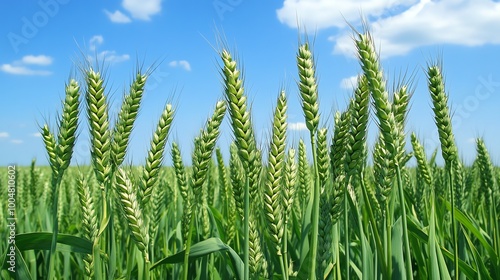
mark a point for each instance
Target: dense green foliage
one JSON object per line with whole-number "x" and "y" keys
{"x": 331, "y": 216}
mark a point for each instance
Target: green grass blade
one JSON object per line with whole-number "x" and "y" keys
{"x": 43, "y": 240}
{"x": 433, "y": 261}
{"x": 202, "y": 249}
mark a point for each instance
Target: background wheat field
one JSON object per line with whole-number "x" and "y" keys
{"x": 329, "y": 206}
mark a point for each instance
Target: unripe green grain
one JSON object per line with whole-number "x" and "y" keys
{"x": 273, "y": 205}
{"x": 126, "y": 118}
{"x": 100, "y": 138}
{"x": 308, "y": 87}
{"x": 68, "y": 125}
{"x": 155, "y": 156}
{"x": 132, "y": 211}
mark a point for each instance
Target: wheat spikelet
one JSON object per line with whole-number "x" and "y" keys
{"x": 236, "y": 177}
{"x": 308, "y": 87}
{"x": 400, "y": 104}
{"x": 441, "y": 114}
{"x": 339, "y": 145}
{"x": 324, "y": 233}
{"x": 383, "y": 173}
{"x": 68, "y": 125}
{"x": 422, "y": 166}
{"x": 338, "y": 150}
{"x": 228, "y": 198}
{"x": 240, "y": 116}
{"x": 62, "y": 206}
{"x": 486, "y": 174}
{"x": 185, "y": 191}
{"x": 212, "y": 185}
{"x": 51, "y": 147}
{"x": 180, "y": 172}
{"x": 204, "y": 149}
{"x": 257, "y": 262}
{"x": 126, "y": 118}
{"x": 272, "y": 193}
{"x": 158, "y": 209}
{"x": 100, "y": 138}
{"x": 89, "y": 219}
{"x": 221, "y": 171}
{"x": 323, "y": 156}
{"x": 34, "y": 183}
{"x": 290, "y": 180}
{"x": 132, "y": 211}
{"x": 155, "y": 155}
{"x": 359, "y": 110}
{"x": 376, "y": 83}
{"x": 304, "y": 177}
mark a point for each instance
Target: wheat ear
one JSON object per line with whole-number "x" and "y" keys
{"x": 323, "y": 156}
{"x": 185, "y": 191}
{"x": 100, "y": 138}
{"x": 126, "y": 118}
{"x": 204, "y": 149}
{"x": 155, "y": 155}
{"x": 89, "y": 219}
{"x": 359, "y": 110}
{"x": 245, "y": 141}
{"x": 308, "y": 87}
{"x": 377, "y": 85}
{"x": 68, "y": 125}
{"x": 132, "y": 211}
{"x": 272, "y": 194}
{"x": 486, "y": 175}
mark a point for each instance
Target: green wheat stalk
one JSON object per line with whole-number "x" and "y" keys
{"x": 308, "y": 89}
{"x": 448, "y": 148}
{"x": 273, "y": 205}
{"x": 244, "y": 139}
{"x": 60, "y": 153}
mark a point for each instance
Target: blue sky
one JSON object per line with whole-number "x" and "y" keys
{"x": 42, "y": 42}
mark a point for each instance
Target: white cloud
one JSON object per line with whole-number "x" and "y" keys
{"x": 110, "y": 57}
{"x": 320, "y": 14}
{"x": 106, "y": 55}
{"x": 36, "y": 134}
{"x": 472, "y": 140}
{"x": 113, "y": 57}
{"x": 95, "y": 41}
{"x": 16, "y": 141}
{"x": 4, "y": 134}
{"x": 117, "y": 17}
{"x": 142, "y": 9}
{"x": 37, "y": 59}
{"x": 397, "y": 26}
{"x": 23, "y": 70}
{"x": 184, "y": 64}
{"x": 297, "y": 126}
{"x": 21, "y": 67}
{"x": 349, "y": 82}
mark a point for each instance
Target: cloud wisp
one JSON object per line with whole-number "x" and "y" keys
{"x": 137, "y": 9}
{"x": 297, "y": 126}
{"x": 399, "y": 26}
{"x": 25, "y": 65}
{"x": 117, "y": 17}
{"x": 184, "y": 64}
{"x": 109, "y": 56}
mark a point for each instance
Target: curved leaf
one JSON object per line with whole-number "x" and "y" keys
{"x": 202, "y": 249}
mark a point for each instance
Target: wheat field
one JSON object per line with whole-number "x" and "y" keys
{"x": 316, "y": 209}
